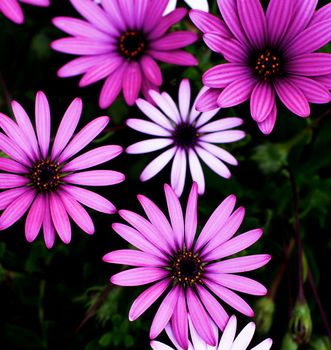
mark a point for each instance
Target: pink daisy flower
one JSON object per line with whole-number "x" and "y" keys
{"x": 190, "y": 267}
{"x": 47, "y": 180}
{"x": 12, "y": 8}
{"x": 228, "y": 340}
{"x": 269, "y": 54}
{"x": 121, "y": 41}
{"x": 195, "y": 4}
{"x": 187, "y": 134}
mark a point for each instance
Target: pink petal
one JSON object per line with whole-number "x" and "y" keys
{"x": 175, "y": 214}
{"x": 184, "y": 98}
{"x": 208, "y": 100}
{"x": 147, "y": 298}
{"x": 147, "y": 127}
{"x": 133, "y": 258}
{"x": 151, "y": 70}
{"x": 179, "y": 321}
{"x": 60, "y": 218}
{"x": 11, "y": 181}
{"x": 164, "y": 313}
{"x": 221, "y": 124}
{"x": 16, "y": 209}
{"x": 12, "y": 10}
{"x": 167, "y": 105}
{"x": 262, "y": 101}
{"x": 196, "y": 170}
{"x": 178, "y": 57}
{"x": 95, "y": 178}
{"x": 155, "y": 166}
{"x": 147, "y": 146}
{"x": 311, "y": 64}
{"x": 84, "y": 137}
{"x": 12, "y": 150}
{"x": 268, "y": 124}
{"x": 178, "y": 171}
{"x": 200, "y": 318}
{"x": 43, "y": 123}
{"x": 82, "y": 46}
{"x": 48, "y": 227}
{"x": 174, "y": 40}
{"x": 154, "y": 14}
{"x": 35, "y": 218}
{"x": 7, "y": 197}
{"x": 132, "y": 83}
{"x": 216, "y": 221}
{"x": 244, "y": 337}
{"x": 219, "y": 153}
{"x": 206, "y": 22}
{"x": 321, "y": 14}
{"x": 67, "y": 127}
{"x": 191, "y": 216}
{"x": 223, "y": 136}
{"x": 138, "y": 276}
{"x": 229, "y": 334}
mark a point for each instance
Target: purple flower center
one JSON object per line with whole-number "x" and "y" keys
{"x": 187, "y": 268}
{"x": 45, "y": 176}
{"x": 185, "y": 135}
{"x": 132, "y": 44}
{"x": 267, "y": 64}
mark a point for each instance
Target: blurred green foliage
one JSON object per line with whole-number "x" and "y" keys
{"x": 60, "y": 299}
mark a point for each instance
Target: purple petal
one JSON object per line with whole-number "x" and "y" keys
{"x": 245, "y": 336}
{"x": 147, "y": 146}
{"x": 236, "y": 92}
{"x": 321, "y": 14}
{"x": 138, "y": 276}
{"x": 221, "y": 124}
{"x": 133, "y": 258}
{"x": 90, "y": 199}
{"x": 184, "y": 98}
{"x": 146, "y": 299}
{"x": 312, "y": 64}
{"x": 127, "y": 9}
{"x": 167, "y": 105}
{"x": 191, "y": 216}
{"x": 311, "y": 39}
{"x": 208, "y": 100}
{"x": 214, "y": 308}
{"x": 292, "y": 97}
{"x": 82, "y": 46}
{"x": 111, "y": 88}
{"x": 84, "y": 137}
{"x": 268, "y": 124}
{"x": 229, "y": 333}
{"x": 151, "y": 70}
{"x": 241, "y": 264}
{"x": 147, "y": 127}
{"x": 8, "y": 147}
{"x": 67, "y": 127}
{"x": 178, "y": 171}
{"x": 60, "y": 218}
{"x": 35, "y": 218}
{"x": 314, "y": 91}
{"x": 11, "y": 181}
{"x": 43, "y": 123}
{"x": 178, "y": 57}
{"x": 206, "y": 22}
{"x": 174, "y": 40}
{"x": 176, "y": 215}
{"x": 164, "y": 313}
{"x": 279, "y": 15}
{"x": 219, "y": 153}
{"x": 95, "y": 178}
{"x": 154, "y": 14}
{"x": 12, "y": 166}
{"x": 7, "y": 197}
{"x": 132, "y": 83}
{"x": 200, "y": 318}
{"x": 196, "y": 170}
{"x": 216, "y": 221}
{"x": 179, "y": 321}
{"x": 262, "y": 101}
{"x": 140, "y": 8}
{"x": 325, "y": 80}
{"x": 224, "y": 74}
{"x": 16, "y": 209}
{"x": 48, "y": 227}
{"x": 155, "y": 166}
{"x": 78, "y": 214}
{"x": 12, "y": 10}
{"x": 230, "y": 298}
{"x": 92, "y": 158}
{"x": 113, "y": 11}
{"x": 158, "y": 219}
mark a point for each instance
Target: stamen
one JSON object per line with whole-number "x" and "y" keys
{"x": 132, "y": 44}
{"x": 185, "y": 135}
{"x": 267, "y": 64}
{"x": 45, "y": 176}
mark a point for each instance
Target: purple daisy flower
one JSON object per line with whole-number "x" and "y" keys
{"x": 228, "y": 340}
{"x": 190, "y": 267}
{"x": 188, "y": 135}
{"x": 12, "y": 8}
{"x": 45, "y": 179}
{"x": 269, "y": 55}
{"x": 121, "y": 41}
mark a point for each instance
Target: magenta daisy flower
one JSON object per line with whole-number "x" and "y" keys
{"x": 48, "y": 180}
{"x": 228, "y": 340}
{"x": 12, "y": 8}
{"x": 190, "y": 268}
{"x": 268, "y": 55}
{"x": 187, "y": 134}
{"x": 121, "y": 41}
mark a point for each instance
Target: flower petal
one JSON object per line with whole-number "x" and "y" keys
{"x": 95, "y": 178}
{"x": 174, "y": 40}
{"x": 138, "y": 276}
{"x": 132, "y": 257}
{"x": 244, "y": 337}
{"x": 132, "y": 83}
{"x": 35, "y": 218}
{"x": 151, "y": 70}
{"x": 167, "y": 105}
{"x": 147, "y": 146}
{"x": 43, "y": 123}
{"x": 178, "y": 57}
{"x": 206, "y": 22}
{"x": 196, "y": 170}
{"x": 208, "y": 100}
{"x": 8, "y": 196}
{"x": 184, "y": 98}
{"x": 262, "y": 101}
{"x": 219, "y": 153}
{"x": 60, "y": 218}
{"x": 48, "y": 227}
{"x": 191, "y": 216}
{"x": 221, "y": 124}
{"x": 178, "y": 171}
{"x": 268, "y": 124}
{"x": 147, "y": 127}
{"x": 312, "y": 64}
{"x": 179, "y": 321}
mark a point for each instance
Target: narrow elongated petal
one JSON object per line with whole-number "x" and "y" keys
{"x": 147, "y": 298}
{"x": 219, "y": 153}
{"x": 178, "y": 171}
{"x": 43, "y": 123}
{"x": 133, "y": 258}
{"x": 151, "y": 70}
{"x": 223, "y": 136}
{"x": 95, "y": 178}
{"x": 221, "y": 124}
{"x": 262, "y": 101}
{"x": 111, "y": 88}
{"x": 268, "y": 124}
{"x": 147, "y": 146}
{"x": 244, "y": 337}
{"x": 147, "y": 127}
{"x": 35, "y": 218}
{"x": 184, "y": 98}
{"x": 206, "y": 22}
{"x": 179, "y": 320}
{"x": 208, "y": 100}
{"x": 8, "y": 147}
{"x": 48, "y": 227}
{"x": 178, "y": 57}
{"x": 12, "y": 181}
{"x": 265, "y": 345}
{"x": 174, "y": 40}
{"x": 191, "y": 216}
{"x": 132, "y": 83}
{"x": 228, "y": 334}
{"x": 154, "y": 14}
{"x": 138, "y": 276}
{"x": 60, "y": 218}
{"x": 196, "y": 170}
{"x": 8, "y": 196}
{"x": 312, "y": 64}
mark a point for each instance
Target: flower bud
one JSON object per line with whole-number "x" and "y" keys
{"x": 264, "y": 313}
{"x": 301, "y": 323}
{"x": 288, "y": 343}
{"x": 320, "y": 343}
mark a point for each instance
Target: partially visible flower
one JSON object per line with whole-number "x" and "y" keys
{"x": 48, "y": 179}
{"x": 268, "y": 55}
{"x": 191, "y": 268}
{"x": 12, "y": 8}
{"x": 121, "y": 40}
{"x": 301, "y": 324}
{"x": 228, "y": 340}
{"x": 264, "y": 314}
{"x": 188, "y": 134}
{"x": 195, "y": 4}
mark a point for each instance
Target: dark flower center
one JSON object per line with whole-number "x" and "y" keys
{"x": 185, "y": 135}
{"x": 45, "y": 176}
{"x": 132, "y": 44}
{"x": 267, "y": 64}
{"x": 187, "y": 268}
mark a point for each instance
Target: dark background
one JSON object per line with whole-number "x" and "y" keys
{"x": 60, "y": 299}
